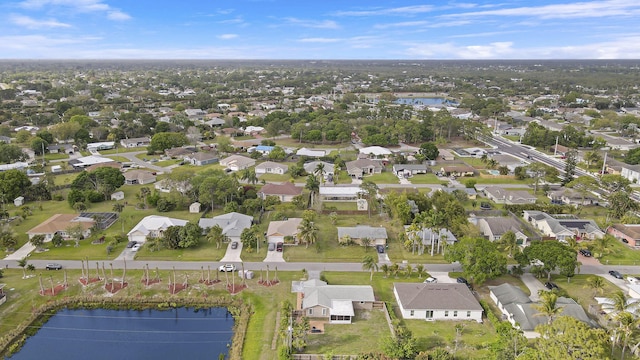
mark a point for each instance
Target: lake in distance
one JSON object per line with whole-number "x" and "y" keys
{"x": 181, "y": 333}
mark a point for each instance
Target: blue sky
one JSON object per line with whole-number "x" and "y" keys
{"x": 327, "y": 29}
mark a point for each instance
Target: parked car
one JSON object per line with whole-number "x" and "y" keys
{"x": 462, "y": 280}
{"x": 549, "y": 285}
{"x": 380, "y": 249}
{"x": 585, "y": 252}
{"x": 53, "y": 266}
{"x": 615, "y": 274}
{"x": 633, "y": 280}
{"x": 227, "y": 268}
{"x": 272, "y": 246}
{"x": 130, "y": 244}
{"x": 234, "y": 245}
{"x": 279, "y": 246}
{"x": 136, "y": 247}
{"x": 430, "y": 280}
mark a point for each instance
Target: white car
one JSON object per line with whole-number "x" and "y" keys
{"x": 430, "y": 280}
{"x": 227, "y": 268}
{"x": 136, "y": 247}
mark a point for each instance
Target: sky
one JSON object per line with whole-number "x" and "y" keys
{"x": 325, "y": 29}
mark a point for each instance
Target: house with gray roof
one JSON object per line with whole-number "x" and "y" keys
{"x": 271, "y": 167}
{"x": 408, "y": 170}
{"x": 232, "y": 224}
{"x": 520, "y": 311}
{"x": 563, "y": 227}
{"x": 201, "y": 158}
{"x": 377, "y": 235}
{"x": 494, "y": 227}
{"x": 572, "y": 197}
{"x": 335, "y": 303}
{"x": 311, "y": 167}
{"x": 500, "y": 195}
{"x": 432, "y": 302}
{"x": 361, "y": 167}
{"x": 340, "y": 193}
{"x": 237, "y": 162}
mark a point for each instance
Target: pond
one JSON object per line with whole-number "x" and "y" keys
{"x": 181, "y": 333}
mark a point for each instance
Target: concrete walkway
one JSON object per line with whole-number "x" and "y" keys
{"x": 534, "y": 285}
{"x": 21, "y": 253}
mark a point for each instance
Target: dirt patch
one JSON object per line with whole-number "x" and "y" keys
{"x": 209, "y": 282}
{"x": 52, "y": 292}
{"x": 234, "y": 289}
{"x": 176, "y": 288}
{"x": 86, "y": 282}
{"x": 268, "y": 282}
{"x": 149, "y": 282}
{"x": 114, "y": 287}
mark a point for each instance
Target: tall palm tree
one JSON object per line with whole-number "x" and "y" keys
{"x": 602, "y": 246}
{"x": 249, "y": 175}
{"x": 628, "y": 325}
{"x": 547, "y": 306}
{"x": 23, "y": 264}
{"x": 319, "y": 170}
{"x": 596, "y": 283}
{"x": 369, "y": 263}
{"x": 307, "y": 232}
{"x": 420, "y": 270}
{"x": 385, "y": 270}
{"x": 366, "y": 242}
{"x": 313, "y": 186}
{"x": 619, "y": 302}
{"x": 509, "y": 243}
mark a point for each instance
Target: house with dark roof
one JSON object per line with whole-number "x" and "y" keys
{"x": 376, "y": 235}
{"x": 627, "y": 233}
{"x": 135, "y": 142}
{"x": 335, "y": 303}
{"x": 521, "y": 312}
{"x": 180, "y": 152}
{"x": 572, "y": 197}
{"x": 563, "y": 227}
{"x": 459, "y": 170}
{"x": 494, "y": 227}
{"x": 437, "y": 302}
{"x": 408, "y": 170}
{"x": 285, "y": 191}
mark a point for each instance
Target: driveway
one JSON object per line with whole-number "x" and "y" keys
{"x": 534, "y": 285}
{"x": 443, "y": 277}
{"x": 232, "y": 255}
{"x": 127, "y": 254}
{"x": 21, "y": 253}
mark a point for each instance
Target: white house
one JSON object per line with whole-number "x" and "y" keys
{"x": 59, "y": 223}
{"x": 311, "y": 152}
{"x": 232, "y": 224}
{"x": 271, "y": 167}
{"x": 153, "y": 226}
{"x": 375, "y": 151}
{"x": 336, "y": 303}
{"x": 237, "y": 162}
{"x": 437, "y": 302}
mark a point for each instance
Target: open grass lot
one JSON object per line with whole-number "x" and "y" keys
{"x": 496, "y": 180}
{"x": 577, "y": 289}
{"x": 59, "y": 156}
{"x": 383, "y": 178}
{"x": 64, "y": 179}
{"x": 274, "y": 177}
{"x": 122, "y": 150}
{"x": 338, "y": 205}
{"x": 426, "y": 179}
{"x": 164, "y": 163}
{"x": 621, "y": 254}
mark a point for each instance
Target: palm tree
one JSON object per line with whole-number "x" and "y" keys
{"x": 144, "y": 193}
{"x": 23, "y": 263}
{"x": 249, "y": 175}
{"x": 307, "y": 232}
{"x": 591, "y": 158}
{"x": 596, "y": 283}
{"x": 369, "y": 263}
{"x": 509, "y": 243}
{"x": 118, "y": 207}
{"x": 628, "y": 324}
{"x": 216, "y": 235}
{"x": 366, "y": 242}
{"x": 548, "y": 306}
{"x": 319, "y": 170}
{"x": 601, "y": 246}
{"x": 385, "y": 270}
{"x": 420, "y": 270}
{"x": 313, "y": 186}
{"x": 408, "y": 270}
{"x": 620, "y": 302}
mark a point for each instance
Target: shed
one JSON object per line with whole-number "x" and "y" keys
{"x": 118, "y": 195}
{"x": 19, "y": 201}
{"x": 194, "y": 208}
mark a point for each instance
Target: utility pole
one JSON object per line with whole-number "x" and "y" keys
{"x": 555, "y": 150}
{"x": 604, "y": 163}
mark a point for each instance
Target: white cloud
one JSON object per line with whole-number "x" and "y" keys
{"x": 32, "y": 23}
{"x": 227, "y": 36}
{"x": 405, "y": 10}
{"x": 323, "y": 24}
{"x": 319, "y": 40}
{"x": 401, "y": 24}
{"x": 81, "y": 6}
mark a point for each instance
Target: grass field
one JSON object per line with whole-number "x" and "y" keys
{"x": 122, "y": 150}
{"x": 578, "y": 290}
{"x": 274, "y": 177}
{"x": 621, "y": 254}
{"x": 383, "y": 178}
{"x": 426, "y": 179}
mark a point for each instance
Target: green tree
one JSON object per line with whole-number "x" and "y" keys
{"x": 307, "y": 232}
{"x": 104, "y": 180}
{"x": 39, "y": 146}
{"x": 190, "y": 235}
{"x": 216, "y": 234}
{"x": 65, "y": 131}
{"x": 23, "y": 264}
{"x": 166, "y": 140}
{"x": 249, "y": 175}
{"x": 480, "y": 259}
{"x": 628, "y": 327}
{"x": 509, "y": 243}
{"x": 571, "y": 162}
{"x": 37, "y": 241}
{"x": 540, "y": 171}
{"x": 554, "y": 255}
{"x": 171, "y": 237}
{"x": 596, "y": 283}
{"x": 249, "y": 238}
{"x": 277, "y": 153}
{"x": 568, "y": 338}
{"x": 548, "y": 305}
{"x": 429, "y": 150}
{"x": 602, "y": 246}
{"x": 370, "y": 264}
{"x": 313, "y": 185}
{"x": 620, "y": 203}
{"x": 584, "y": 185}
{"x": 13, "y": 183}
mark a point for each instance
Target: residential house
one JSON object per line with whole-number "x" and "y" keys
{"x": 180, "y": 152}
{"x": 135, "y": 142}
{"x": 265, "y": 150}
{"x": 284, "y": 231}
{"x": 153, "y": 226}
{"x": 97, "y": 146}
{"x": 340, "y": 193}
{"x": 87, "y": 161}
{"x": 507, "y": 160}
{"x": 408, "y": 170}
{"x": 471, "y": 193}
{"x": 195, "y": 114}
{"x": 572, "y": 197}
{"x": 335, "y": 303}
{"x": 459, "y": 170}
{"x": 232, "y": 224}
{"x": 437, "y": 302}
{"x": 630, "y": 172}
{"x": 376, "y": 235}
{"x": 446, "y": 155}
{"x": 139, "y": 177}
{"x": 285, "y": 191}
{"x": 327, "y": 168}
{"x": 60, "y": 149}
{"x": 253, "y": 130}
{"x": 428, "y": 235}
{"x": 563, "y": 227}
{"x": 375, "y": 151}
{"x": 361, "y": 167}
{"x": 237, "y": 162}
{"x": 500, "y": 195}
{"x": 271, "y": 167}
{"x": 59, "y": 224}
{"x": 493, "y": 228}
{"x": 201, "y": 158}
{"x": 521, "y": 312}
{"x": 311, "y": 153}
{"x": 627, "y": 233}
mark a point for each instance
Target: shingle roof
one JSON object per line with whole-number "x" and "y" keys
{"x": 232, "y": 223}
{"x": 363, "y": 231}
{"x": 284, "y": 228}
{"x": 420, "y": 296}
{"x": 59, "y": 222}
{"x": 286, "y": 188}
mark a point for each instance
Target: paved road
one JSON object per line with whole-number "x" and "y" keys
{"x": 131, "y": 156}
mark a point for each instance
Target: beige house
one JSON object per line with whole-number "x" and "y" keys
{"x": 237, "y": 162}
{"x": 279, "y": 230}
{"x": 59, "y": 223}
{"x": 139, "y": 177}
{"x": 271, "y": 167}
{"x": 285, "y": 191}
{"x": 361, "y": 167}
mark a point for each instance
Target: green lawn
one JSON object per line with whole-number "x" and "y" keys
{"x": 496, "y": 180}
{"x": 64, "y": 179}
{"x": 120, "y": 159}
{"x": 426, "y": 179}
{"x": 122, "y": 150}
{"x": 621, "y": 254}
{"x": 58, "y": 156}
{"x": 337, "y": 205}
{"x": 577, "y": 289}
{"x": 165, "y": 163}
{"x": 383, "y": 178}
{"x": 274, "y": 177}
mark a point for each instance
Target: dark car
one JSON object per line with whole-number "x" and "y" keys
{"x": 615, "y": 274}
{"x": 279, "y": 246}
{"x": 380, "y": 249}
{"x": 131, "y": 244}
{"x": 549, "y": 285}
{"x": 462, "y": 280}
{"x": 234, "y": 245}
{"x": 53, "y": 266}
{"x": 585, "y": 252}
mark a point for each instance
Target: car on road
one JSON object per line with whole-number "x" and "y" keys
{"x": 616, "y": 274}
{"x": 130, "y": 244}
{"x": 430, "y": 280}
{"x": 272, "y": 246}
{"x": 53, "y": 266}
{"x": 551, "y": 286}
{"x": 380, "y": 249}
{"x": 585, "y": 252}
{"x": 462, "y": 280}
{"x": 234, "y": 245}
{"x": 136, "y": 247}
{"x": 279, "y": 246}
{"x": 227, "y": 268}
